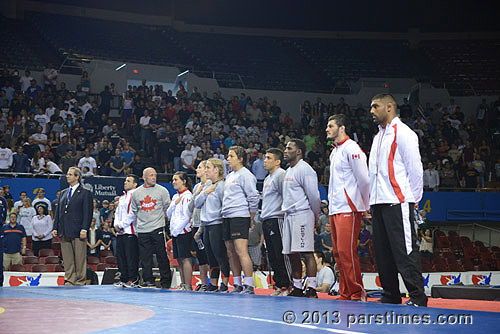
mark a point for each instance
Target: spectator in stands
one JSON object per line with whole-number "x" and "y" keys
{"x": 363, "y": 240}
{"x": 6, "y": 193}
{"x": 25, "y": 81}
{"x": 326, "y": 242}
{"x": 105, "y": 98}
{"x": 37, "y": 163}
{"x": 426, "y": 244}
{"x": 18, "y": 204}
{"x": 146, "y": 133}
{"x": 108, "y": 236}
{"x": 341, "y": 108}
{"x": 33, "y": 89}
{"x": 94, "y": 240}
{"x": 6, "y": 157}
{"x": 42, "y": 200}
{"x": 405, "y": 110}
{"x": 104, "y": 158}
{"x": 447, "y": 176}
{"x": 114, "y": 136}
{"x": 14, "y": 242}
{"x": 431, "y": 178}
{"x": 117, "y": 164}
{"x": 104, "y": 212}
{"x": 88, "y": 161}
{"x": 42, "y": 230}
{"x": 50, "y": 166}
{"x": 138, "y": 165}
{"x": 480, "y": 166}
{"x": 325, "y": 276}
{"x": 20, "y": 161}
{"x": 50, "y": 77}
{"x": 323, "y": 216}
{"x": 470, "y": 178}
{"x": 482, "y": 111}
{"x": 187, "y": 159}
{"x": 255, "y": 242}
{"x": 258, "y": 170}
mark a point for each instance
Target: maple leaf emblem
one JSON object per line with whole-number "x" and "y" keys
{"x": 148, "y": 204}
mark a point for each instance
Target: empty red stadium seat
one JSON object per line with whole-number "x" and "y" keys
{"x": 469, "y": 252}
{"x": 466, "y": 242}
{"x": 58, "y": 268}
{"x": 456, "y": 267}
{"x": 17, "y": 267}
{"x": 56, "y": 245}
{"x": 51, "y": 267}
{"x": 50, "y": 260}
{"x": 106, "y": 252}
{"x": 39, "y": 268}
{"x": 29, "y": 252}
{"x": 92, "y": 266}
{"x": 453, "y": 234}
{"x": 482, "y": 267}
{"x": 439, "y": 234}
{"x": 427, "y": 267}
{"x": 441, "y": 267}
{"x": 46, "y": 252}
{"x": 101, "y": 267}
{"x": 443, "y": 243}
{"x": 30, "y": 260}
{"x": 93, "y": 260}
{"x": 366, "y": 259}
{"x": 110, "y": 260}
{"x": 478, "y": 243}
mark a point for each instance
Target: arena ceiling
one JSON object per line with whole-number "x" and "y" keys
{"x": 333, "y": 15}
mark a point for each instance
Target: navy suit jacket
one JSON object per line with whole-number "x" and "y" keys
{"x": 73, "y": 216}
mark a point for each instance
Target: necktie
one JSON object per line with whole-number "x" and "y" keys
{"x": 69, "y": 194}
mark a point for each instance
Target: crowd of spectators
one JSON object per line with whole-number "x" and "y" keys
{"x": 49, "y": 129}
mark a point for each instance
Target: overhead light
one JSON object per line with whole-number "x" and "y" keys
{"x": 185, "y": 72}
{"x": 120, "y": 67}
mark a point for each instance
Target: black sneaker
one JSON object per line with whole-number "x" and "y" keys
{"x": 237, "y": 288}
{"x": 415, "y": 304}
{"x": 147, "y": 285}
{"x": 296, "y": 292}
{"x": 212, "y": 288}
{"x": 384, "y": 300}
{"x": 223, "y": 288}
{"x": 248, "y": 290}
{"x": 311, "y": 293}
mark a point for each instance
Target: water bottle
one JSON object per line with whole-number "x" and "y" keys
{"x": 200, "y": 244}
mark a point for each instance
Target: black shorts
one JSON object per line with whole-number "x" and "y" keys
{"x": 235, "y": 228}
{"x": 201, "y": 254}
{"x": 182, "y": 245}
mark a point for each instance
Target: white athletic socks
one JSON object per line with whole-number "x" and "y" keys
{"x": 297, "y": 283}
{"x": 249, "y": 281}
{"x": 237, "y": 280}
{"x": 312, "y": 282}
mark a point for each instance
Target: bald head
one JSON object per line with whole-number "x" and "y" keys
{"x": 149, "y": 176}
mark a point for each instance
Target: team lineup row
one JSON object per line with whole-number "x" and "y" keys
{"x": 221, "y": 211}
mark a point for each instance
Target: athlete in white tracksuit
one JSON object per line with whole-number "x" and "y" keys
{"x": 396, "y": 186}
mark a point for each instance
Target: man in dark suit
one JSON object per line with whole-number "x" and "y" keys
{"x": 71, "y": 222}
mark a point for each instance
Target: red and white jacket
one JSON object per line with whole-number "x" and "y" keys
{"x": 124, "y": 218}
{"x": 349, "y": 184}
{"x": 180, "y": 214}
{"x": 396, "y": 172}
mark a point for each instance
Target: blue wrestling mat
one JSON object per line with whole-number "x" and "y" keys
{"x": 106, "y": 309}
